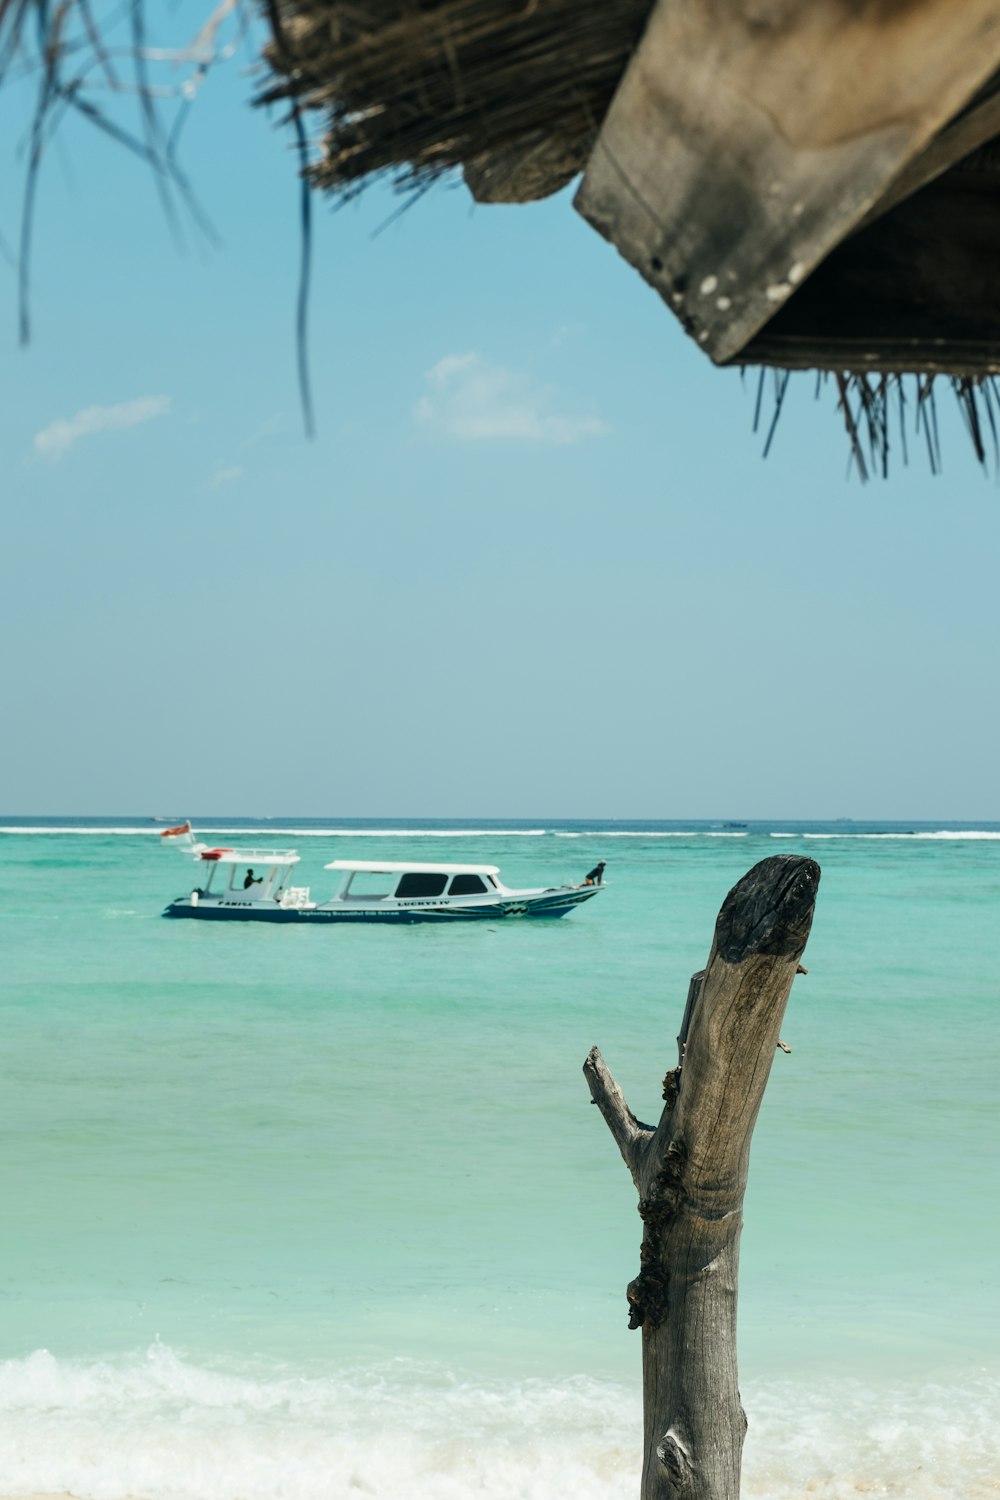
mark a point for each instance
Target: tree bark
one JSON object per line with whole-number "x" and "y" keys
{"x": 690, "y": 1173}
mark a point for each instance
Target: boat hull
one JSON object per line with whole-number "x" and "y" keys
{"x": 551, "y": 904}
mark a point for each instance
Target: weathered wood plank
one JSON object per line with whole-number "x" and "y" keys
{"x": 916, "y": 290}
{"x": 749, "y": 137}
{"x": 974, "y": 127}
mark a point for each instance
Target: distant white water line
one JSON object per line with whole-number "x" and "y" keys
{"x": 83, "y": 832}
{"x": 651, "y": 833}
{"x": 943, "y": 833}
{"x": 401, "y": 833}
{"x": 275, "y": 829}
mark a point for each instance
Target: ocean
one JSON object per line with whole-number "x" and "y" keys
{"x": 313, "y": 1212}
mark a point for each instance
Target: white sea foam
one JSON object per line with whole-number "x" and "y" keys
{"x": 657, "y": 833}
{"x": 274, "y": 831}
{"x": 163, "y": 1428}
{"x": 84, "y": 832}
{"x": 900, "y": 833}
{"x": 167, "y": 1430}
{"x": 845, "y": 1438}
{"x": 402, "y": 833}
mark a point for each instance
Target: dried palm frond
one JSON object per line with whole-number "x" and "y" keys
{"x": 882, "y": 412}
{"x": 98, "y": 66}
{"x": 513, "y": 91}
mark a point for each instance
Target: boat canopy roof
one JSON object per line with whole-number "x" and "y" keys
{"x": 246, "y": 856}
{"x": 387, "y": 867}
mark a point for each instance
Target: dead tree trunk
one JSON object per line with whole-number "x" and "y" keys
{"x": 690, "y": 1173}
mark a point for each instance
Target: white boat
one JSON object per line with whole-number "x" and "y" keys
{"x": 256, "y": 885}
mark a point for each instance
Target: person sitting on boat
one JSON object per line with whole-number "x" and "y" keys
{"x": 252, "y": 879}
{"x": 596, "y": 875}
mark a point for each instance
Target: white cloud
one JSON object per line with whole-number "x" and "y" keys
{"x": 57, "y": 439}
{"x": 226, "y": 476}
{"x": 470, "y": 399}
{"x": 566, "y": 333}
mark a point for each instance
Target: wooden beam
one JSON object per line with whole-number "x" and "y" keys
{"x": 916, "y": 290}
{"x": 748, "y": 138}
{"x": 975, "y": 127}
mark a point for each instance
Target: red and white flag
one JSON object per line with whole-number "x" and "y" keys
{"x": 182, "y": 831}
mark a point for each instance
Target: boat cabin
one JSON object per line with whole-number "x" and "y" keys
{"x": 245, "y": 875}
{"x": 382, "y": 880}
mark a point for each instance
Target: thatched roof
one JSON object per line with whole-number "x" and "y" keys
{"x": 512, "y": 91}
{"x": 522, "y": 96}
{"x": 517, "y": 93}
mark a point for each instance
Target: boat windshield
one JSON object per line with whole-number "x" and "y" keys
{"x": 422, "y": 883}
{"x": 367, "y": 885}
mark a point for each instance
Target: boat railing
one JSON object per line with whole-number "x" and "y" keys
{"x": 257, "y": 856}
{"x": 297, "y": 896}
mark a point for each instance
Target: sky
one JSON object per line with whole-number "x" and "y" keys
{"x": 533, "y": 563}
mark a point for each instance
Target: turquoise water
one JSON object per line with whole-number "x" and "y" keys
{"x": 312, "y": 1212}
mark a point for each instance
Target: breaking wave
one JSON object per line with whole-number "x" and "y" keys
{"x": 900, "y": 833}
{"x": 654, "y": 833}
{"x": 161, "y": 1427}
{"x": 273, "y": 830}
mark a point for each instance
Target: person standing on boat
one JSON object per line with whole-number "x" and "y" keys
{"x": 252, "y": 879}
{"x": 596, "y": 875}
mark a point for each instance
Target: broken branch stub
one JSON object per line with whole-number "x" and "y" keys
{"x": 690, "y": 1173}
